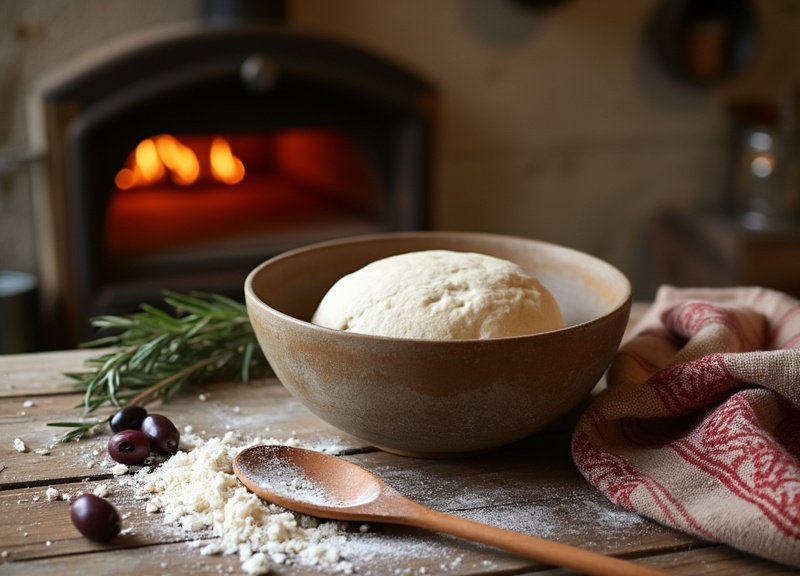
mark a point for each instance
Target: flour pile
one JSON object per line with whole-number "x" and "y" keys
{"x": 439, "y": 295}
{"x": 197, "y": 490}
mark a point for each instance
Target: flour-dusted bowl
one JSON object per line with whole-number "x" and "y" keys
{"x": 437, "y": 398}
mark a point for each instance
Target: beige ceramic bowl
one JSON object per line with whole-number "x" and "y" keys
{"x": 436, "y": 398}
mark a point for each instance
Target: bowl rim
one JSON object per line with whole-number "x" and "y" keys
{"x": 252, "y": 298}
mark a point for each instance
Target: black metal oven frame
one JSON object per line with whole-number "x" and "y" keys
{"x": 196, "y": 79}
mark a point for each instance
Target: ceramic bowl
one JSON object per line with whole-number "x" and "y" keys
{"x": 437, "y": 398}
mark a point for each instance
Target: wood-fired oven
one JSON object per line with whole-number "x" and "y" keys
{"x": 181, "y": 158}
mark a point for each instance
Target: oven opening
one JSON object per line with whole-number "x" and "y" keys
{"x": 183, "y": 158}
{"x": 176, "y": 195}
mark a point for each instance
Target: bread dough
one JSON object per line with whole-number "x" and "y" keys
{"x": 439, "y": 295}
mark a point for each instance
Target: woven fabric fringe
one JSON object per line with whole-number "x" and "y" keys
{"x": 699, "y": 428}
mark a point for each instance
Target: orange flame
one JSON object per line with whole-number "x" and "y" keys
{"x": 164, "y": 155}
{"x": 181, "y": 160}
{"x": 225, "y": 167}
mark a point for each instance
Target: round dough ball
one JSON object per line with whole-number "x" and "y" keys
{"x": 439, "y": 295}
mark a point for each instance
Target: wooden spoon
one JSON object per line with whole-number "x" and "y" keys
{"x": 321, "y": 485}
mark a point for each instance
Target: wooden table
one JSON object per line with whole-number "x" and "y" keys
{"x": 531, "y": 487}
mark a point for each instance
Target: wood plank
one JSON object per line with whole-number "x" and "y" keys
{"x": 261, "y": 408}
{"x": 40, "y": 373}
{"x": 531, "y": 487}
{"x": 40, "y": 528}
{"x": 718, "y": 560}
{"x": 44, "y": 532}
{"x": 713, "y": 560}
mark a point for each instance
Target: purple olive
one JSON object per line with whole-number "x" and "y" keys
{"x": 129, "y": 447}
{"x": 95, "y": 518}
{"x": 162, "y": 433}
{"x": 128, "y": 418}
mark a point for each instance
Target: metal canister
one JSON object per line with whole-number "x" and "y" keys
{"x": 19, "y": 312}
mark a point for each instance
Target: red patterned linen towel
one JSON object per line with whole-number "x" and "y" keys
{"x": 699, "y": 427}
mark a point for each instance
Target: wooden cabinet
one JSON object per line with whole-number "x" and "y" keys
{"x": 694, "y": 249}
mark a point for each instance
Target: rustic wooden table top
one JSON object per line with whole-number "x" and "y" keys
{"x": 532, "y": 487}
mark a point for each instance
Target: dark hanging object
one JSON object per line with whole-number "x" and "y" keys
{"x": 704, "y": 42}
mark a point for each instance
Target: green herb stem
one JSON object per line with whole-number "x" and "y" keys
{"x": 153, "y": 354}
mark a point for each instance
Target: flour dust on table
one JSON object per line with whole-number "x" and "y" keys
{"x": 197, "y": 491}
{"x": 197, "y": 495}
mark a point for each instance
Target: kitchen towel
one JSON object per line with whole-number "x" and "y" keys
{"x": 699, "y": 427}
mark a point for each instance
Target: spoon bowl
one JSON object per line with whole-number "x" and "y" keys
{"x": 325, "y": 486}
{"x": 309, "y": 482}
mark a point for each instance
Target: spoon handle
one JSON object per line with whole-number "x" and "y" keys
{"x": 546, "y": 551}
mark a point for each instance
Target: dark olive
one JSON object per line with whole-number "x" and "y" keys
{"x": 95, "y": 518}
{"x": 129, "y": 447}
{"x": 128, "y": 418}
{"x": 162, "y": 433}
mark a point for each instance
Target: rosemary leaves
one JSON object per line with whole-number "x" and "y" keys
{"x": 154, "y": 354}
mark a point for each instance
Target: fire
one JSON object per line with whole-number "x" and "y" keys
{"x": 159, "y": 157}
{"x": 179, "y": 159}
{"x": 225, "y": 166}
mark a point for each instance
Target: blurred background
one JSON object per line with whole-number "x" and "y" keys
{"x": 657, "y": 135}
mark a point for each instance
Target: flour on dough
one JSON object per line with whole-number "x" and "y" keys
{"x": 439, "y": 295}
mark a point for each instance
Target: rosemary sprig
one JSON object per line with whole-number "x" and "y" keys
{"x": 155, "y": 354}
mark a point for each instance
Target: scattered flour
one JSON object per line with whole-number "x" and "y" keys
{"x": 197, "y": 491}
